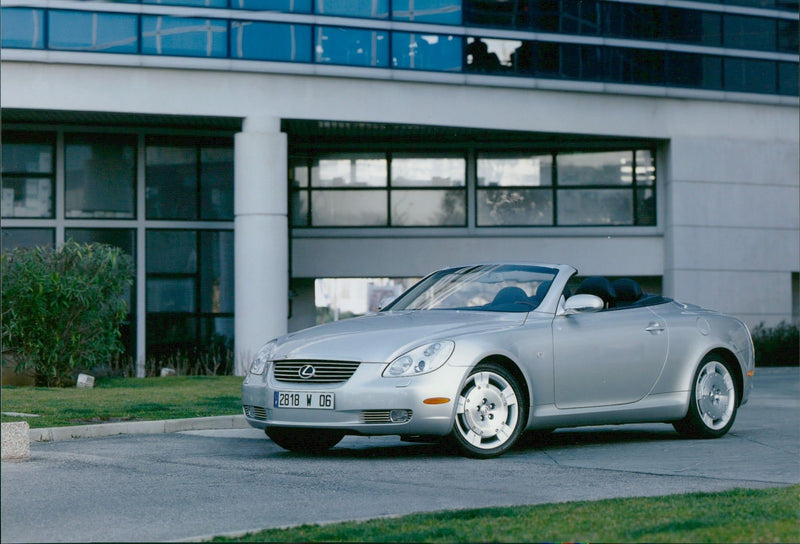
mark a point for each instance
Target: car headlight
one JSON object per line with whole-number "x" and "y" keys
{"x": 420, "y": 360}
{"x": 263, "y": 358}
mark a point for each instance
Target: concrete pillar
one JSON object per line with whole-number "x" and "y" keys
{"x": 261, "y": 238}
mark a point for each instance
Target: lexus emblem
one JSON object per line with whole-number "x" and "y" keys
{"x": 307, "y": 372}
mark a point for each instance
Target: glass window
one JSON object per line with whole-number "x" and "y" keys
{"x": 426, "y": 52}
{"x": 489, "y": 55}
{"x": 788, "y": 79}
{"x": 512, "y": 13}
{"x": 569, "y": 61}
{"x": 634, "y": 21}
{"x": 637, "y": 66}
{"x": 514, "y": 207}
{"x": 20, "y": 27}
{"x": 646, "y": 206}
{"x": 514, "y": 170}
{"x": 420, "y": 171}
{"x": 28, "y": 175}
{"x": 171, "y": 295}
{"x": 27, "y": 197}
{"x": 216, "y": 271}
{"x": 373, "y": 9}
{"x": 788, "y": 34}
{"x": 14, "y": 238}
{"x": 578, "y": 17}
{"x": 195, "y": 3}
{"x": 742, "y": 32}
{"x": 352, "y": 46}
{"x": 171, "y": 177}
{"x": 349, "y": 208}
{"x": 184, "y": 36}
{"x": 270, "y": 41}
{"x": 299, "y": 211}
{"x": 171, "y": 252}
{"x": 298, "y": 185}
{"x": 750, "y": 76}
{"x": 100, "y": 175}
{"x": 216, "y": 183}
{"x": 603, "y": 168}
{"x": 86, "y": 31}
{"x": 692, "y": 26}
{"x": 595, "y": 207}
{"x": 125, "y": 239}
{"x": 446, "y": 12}
{"x": 691, "y": 70}
{"x": 23, "y": 155}
{"x": 418, "y": 208}
{"x": 296, "y": 6}
{"x": 352, "y": 170}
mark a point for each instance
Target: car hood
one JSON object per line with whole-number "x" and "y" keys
{"x": 383, "y": 336}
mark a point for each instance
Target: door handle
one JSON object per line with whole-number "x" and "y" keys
{"x": 655, "y": 327}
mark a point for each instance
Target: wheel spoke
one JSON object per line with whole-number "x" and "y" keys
{"x": 509, "y": 397}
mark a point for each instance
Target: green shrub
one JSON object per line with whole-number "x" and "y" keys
{"x": 777, "y": 346}
{"x": 62, "y": 308}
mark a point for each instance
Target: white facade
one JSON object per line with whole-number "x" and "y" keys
{"x": 728, "y": 228}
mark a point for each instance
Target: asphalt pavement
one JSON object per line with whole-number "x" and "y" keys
{"x": 191, "y": 484}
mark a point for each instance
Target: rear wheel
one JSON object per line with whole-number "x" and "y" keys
{"x": 490, "y": 414}
{"x": 304, "y": 440}
{"x": 714, "y": 401}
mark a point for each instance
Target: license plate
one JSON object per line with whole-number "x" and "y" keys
{"x": 303, "y": 399}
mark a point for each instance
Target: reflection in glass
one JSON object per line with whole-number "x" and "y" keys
{"x": 216, "y": 183}
{"x": 86, "y": 31}
{"x": 26, "y": 157}
{"x": 446, "y": 12}
{"x": 295, "y": 6}
{"x": 27, "y": 197}
{"x": 14, "y": 238}
{"x": 184, "y": 36}
{"x": 171, "y": 178}
{"x": 645, "y": 167}
{"x": 195, "y": 3}
{"x": 352, "y": 46}
{"x": 270, "y": 41}
{"x": 514, "y": 207}
{"x": 20, "y": 27}
{"x": 692, "y": 26}
{"x": 692, "y": 70}
{"x": 742, "y": 32}
{"x": 638, "y": 66}
{"x": 411, "y": 171}
{"x": 504, "y": 171}
{"x": 356, "y": 170}
{"x": 595, "y": 207}
{"x": 299, "y": 211}
{"x": 100, "y": 175}
{"x": 417, "y": 208}
{"x": 605, "y": 168}
{"x": 750, "y": 76}
{"x": 171, "y": 252}
{"x": 788, "y": 78}
{"x": 372, "y": 9}
{"x": 426, "y": 52}
{"x": 348, "y": 208}
{"x": 216, "y": 271}
{"x": 788, "y": 36}
{"x": 646, "y": 206}
{"x": 170, "y": 295}
{"x": 490, "y": 55}
{"x": 125, "y": 239}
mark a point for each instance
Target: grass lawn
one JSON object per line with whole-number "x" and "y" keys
{"x": 742, "y": 515}
{"x": 120, "y": 399}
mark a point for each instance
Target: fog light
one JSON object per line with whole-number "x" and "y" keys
{"x": 399, "y": 416}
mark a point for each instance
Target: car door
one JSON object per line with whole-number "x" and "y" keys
{"x": 607, "y": 357}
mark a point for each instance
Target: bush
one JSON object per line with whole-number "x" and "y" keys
{"x": 777, "y": 346}
{"x": 62, "y": 308}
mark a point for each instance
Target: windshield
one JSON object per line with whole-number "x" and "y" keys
{"x": 494, "y": 288}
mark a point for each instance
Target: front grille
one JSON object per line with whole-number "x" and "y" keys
{"x": 255, "y": 412}
{"x": 324, "y": 371}
{"x": 381, "y": 416}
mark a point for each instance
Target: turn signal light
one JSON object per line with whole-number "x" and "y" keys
{"x": 436, "y": 400}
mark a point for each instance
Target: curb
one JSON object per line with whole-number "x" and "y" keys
{"x": 53, "y": 434}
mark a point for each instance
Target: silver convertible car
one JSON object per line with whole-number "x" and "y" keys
{"x": 476, "y": 355}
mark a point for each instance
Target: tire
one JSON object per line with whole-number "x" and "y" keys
{"x": 714, "y": 401}
{"x": 491, "y": 413}
{"x": 304, "y": 440}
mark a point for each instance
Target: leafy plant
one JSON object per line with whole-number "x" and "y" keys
{"x": 62, "y": 308}
{"x": 777, "y": 346}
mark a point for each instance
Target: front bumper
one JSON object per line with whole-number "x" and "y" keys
{"x": 363, "y": 404}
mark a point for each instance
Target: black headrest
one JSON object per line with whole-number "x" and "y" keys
{"x": 541, "y": 291}
{"x": 509, "y": 294}
{"x": 627, "y": 290}
{"x": 599, "y": 287}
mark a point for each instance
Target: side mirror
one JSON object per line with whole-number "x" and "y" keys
{"x": 582, "y": 304}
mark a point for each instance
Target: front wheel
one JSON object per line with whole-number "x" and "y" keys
{"x": 304, "y": 440}
{"x": 714, "y": 400}
{"x": 491, "y": 412}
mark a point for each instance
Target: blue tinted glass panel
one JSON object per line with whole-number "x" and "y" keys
{"x": 568, "y": 61}
{"x": 742, "y": 32}
{"x": 197, "y": 3}
{"x": 270, "y": 41}
{"x": 352, "y": 46}
{"x": 295, "y": 6}
{"x": 690, "y": 70}
{"x": 788, "y": 36}
{"x": 84, "y": 31}
{"x": 750, "y": 76}
{"x": 638, "y": 66}
{"x": 426, "y": 52}
{"x": 634, "y": 21}
{"x": 184, "y": 37}
{"x": 22, "y": 28}
{"x": 373, "y": 9}
{"x": 691, "y": 26}
{"x": 788, "y": 79}
{"x": 446, "y": 12}
{"x": 13, "y": 238}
